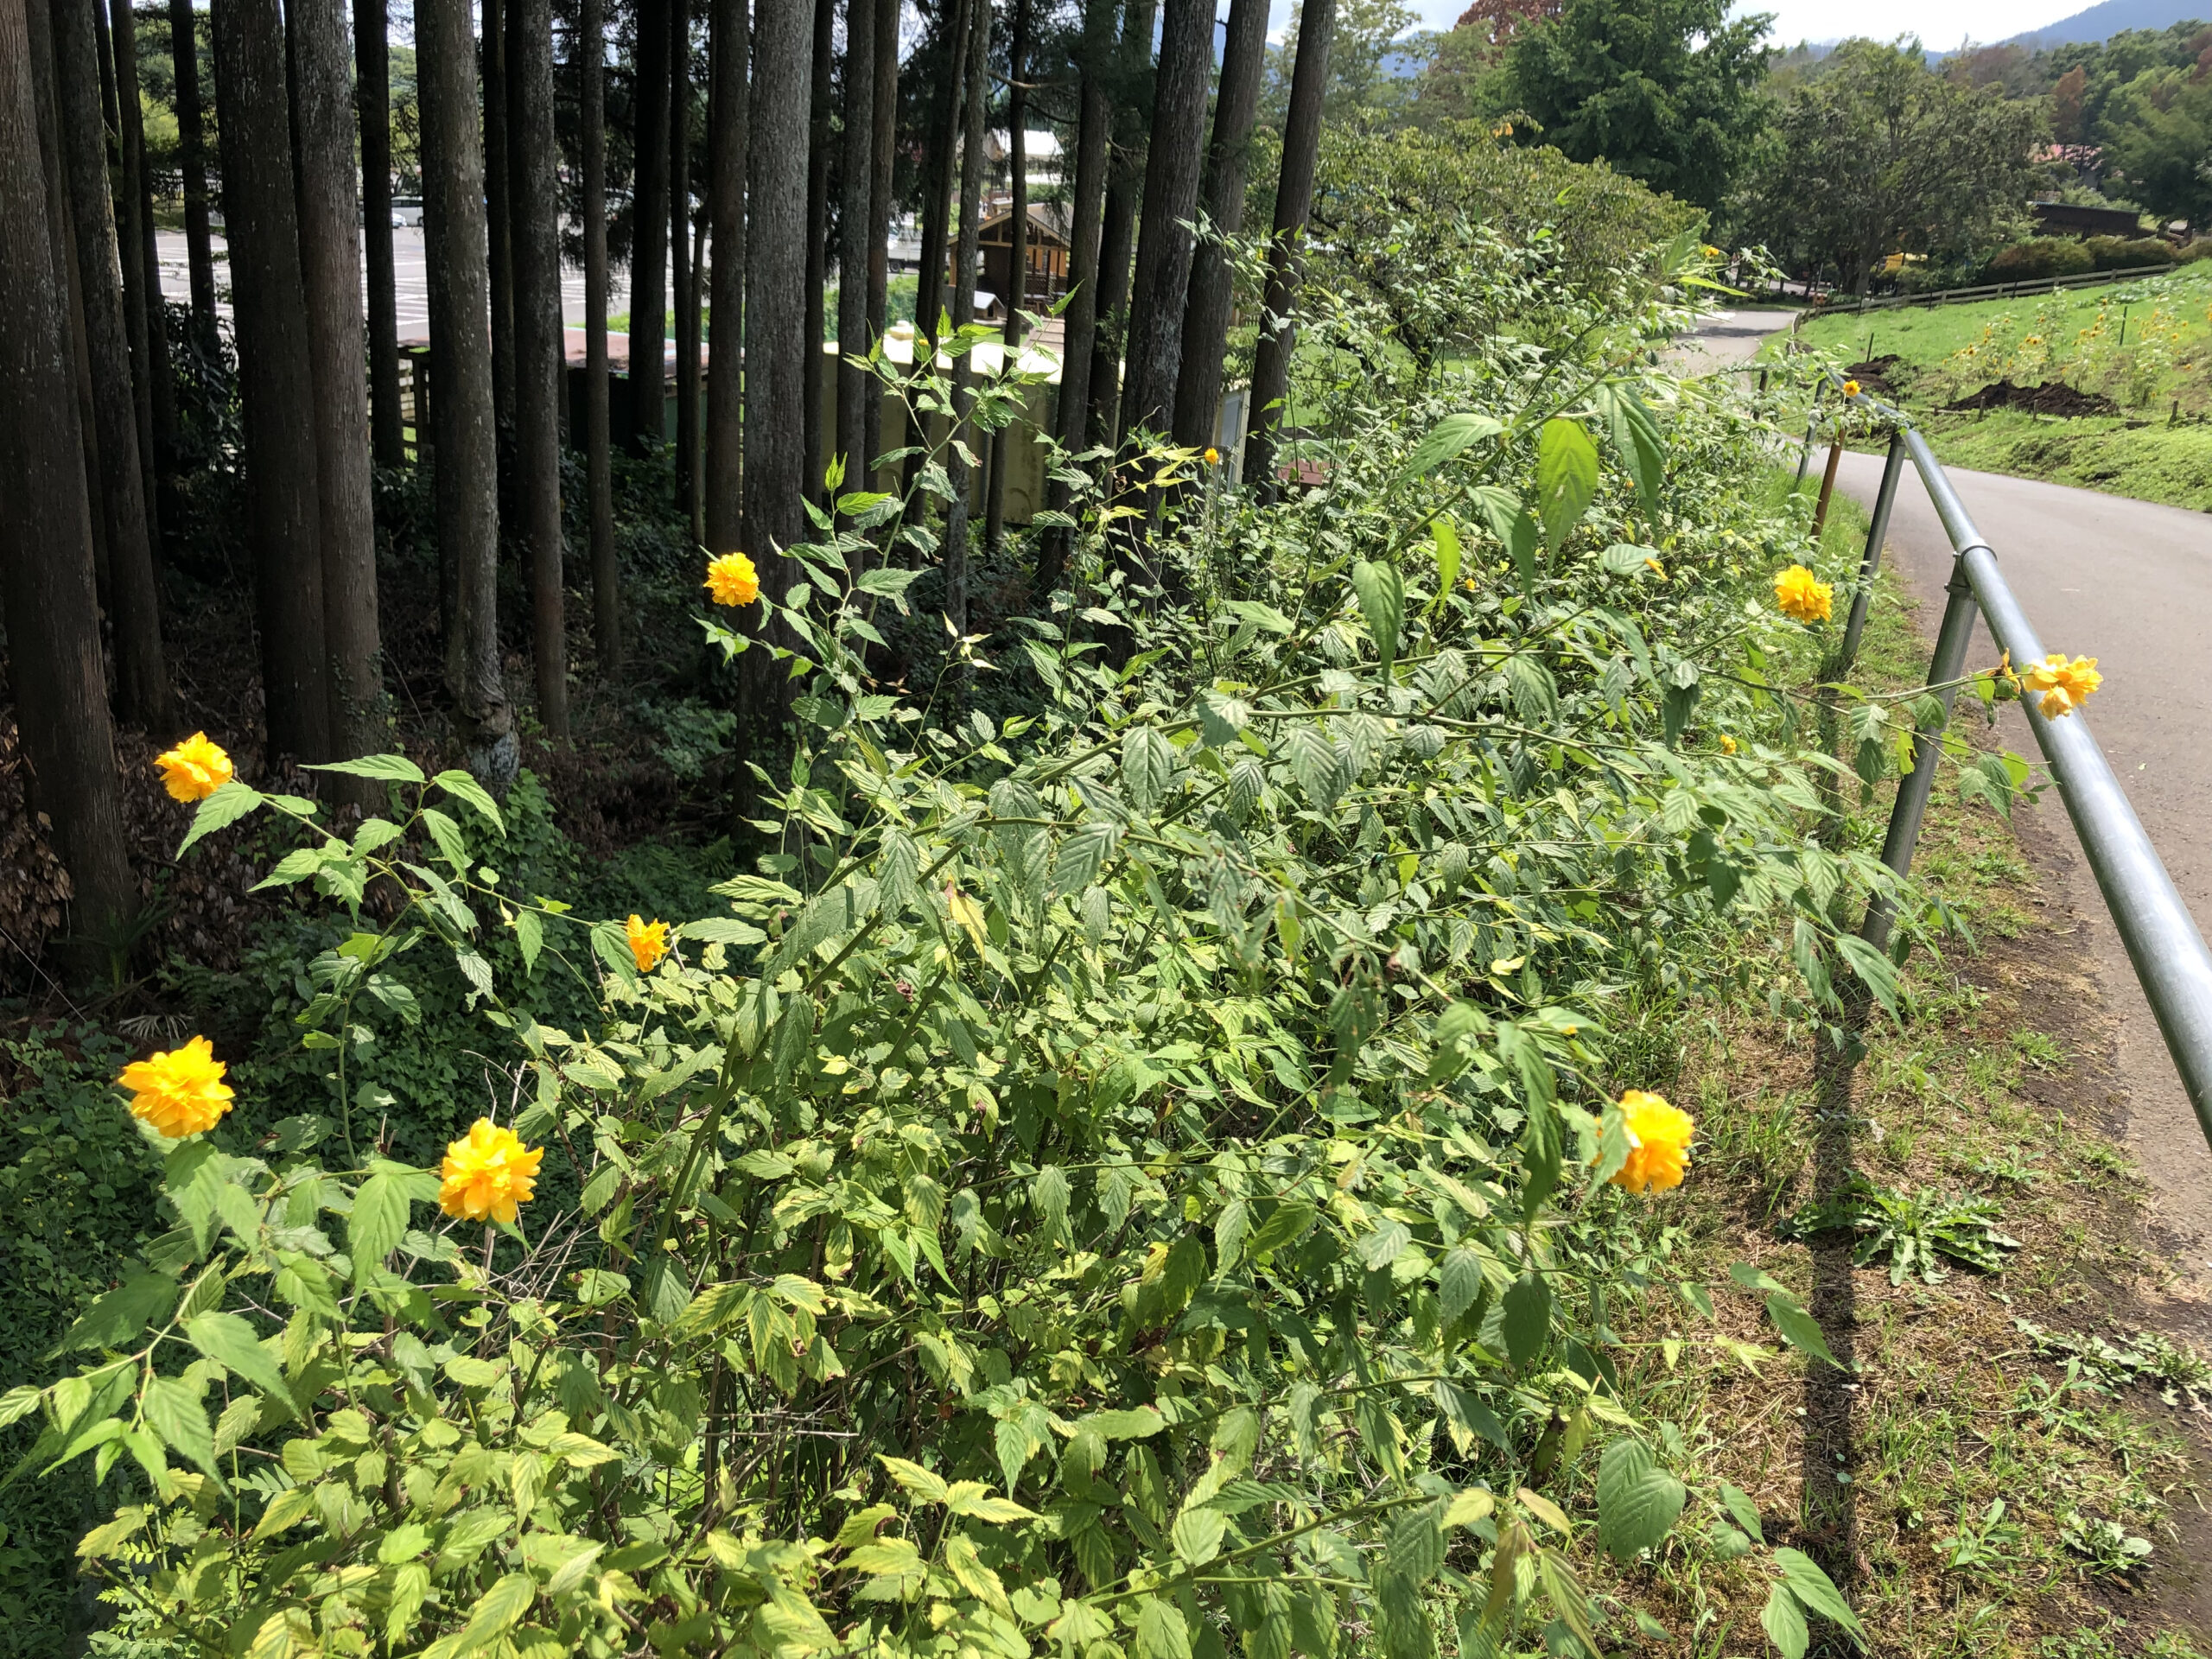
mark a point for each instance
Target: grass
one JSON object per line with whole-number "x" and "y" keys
{"x": 2146, "y": 345}
{"x": 1980, "y": 1490}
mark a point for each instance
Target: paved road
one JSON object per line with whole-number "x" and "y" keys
{"x": 2130, "y": 583}
{"x": 408, "y": 267}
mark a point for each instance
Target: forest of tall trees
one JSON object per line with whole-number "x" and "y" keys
{"x": 395, "y": 521}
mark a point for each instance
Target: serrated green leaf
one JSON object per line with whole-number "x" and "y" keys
{"x": 1566, "y": 478}
{"x": 465, "y": 790}
{"x": 1637, "y": 1501}
{"x": 223, "y": 807}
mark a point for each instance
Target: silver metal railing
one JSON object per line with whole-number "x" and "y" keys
{"x": 2169, "y": 953}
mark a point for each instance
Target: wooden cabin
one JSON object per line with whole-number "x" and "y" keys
{"x": 1045, "y": 254}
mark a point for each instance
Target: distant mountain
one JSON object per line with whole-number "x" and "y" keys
{"x": 2107, "y": 18}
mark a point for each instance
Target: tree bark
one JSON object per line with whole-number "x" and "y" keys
{"x": 1205, "y": 320}
{"x": 817, "y": 232}
{"x": 372, "y": 55}
{"x": 1079, "y": 317}
{"x": 142, "y": 680}
{"x": 46, "y": 540}
{"x": 684, "y": 274}
{"x": 192, "y": 155}
{"x": 857, "y": 233}
{"x": 885, "y": 127}
{"x": 457, "y": 240}
{"x": 599, "y": 466}
{"x": 775, "y": 336}
{"x": 1170, "y": 200}
{"x": 141, "y": 276}
{"x": 1118, "y": 229}
{"x": 330, "y": 262}
{"x": 539, "y": 359}
{"x": 1302, "y": 149}
{"x": 649, "y": 233}
{"x": 977, "y": 79}
{"x": 1017, "y": 159}
{"x": 499, "y": 206}
{"x": 725, "y": 500}
{"x": 275, "y": 386}
{"x": 940, "y": 143}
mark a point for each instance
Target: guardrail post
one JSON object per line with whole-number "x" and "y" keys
{"x": 1951, "y": 642}
{"x": 1869, "y": 565}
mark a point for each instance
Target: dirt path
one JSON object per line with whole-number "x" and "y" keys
{"x": 2130, "y": 583}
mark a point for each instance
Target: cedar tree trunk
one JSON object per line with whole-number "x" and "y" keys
{"x": 1118, "y": 228}
{"x": 1205, "y": 321}
{"x": 1170, "y": 200}
{"x": 817, "y": 232}
{"x": 539, "y": 359}
{"x": 499, "y": 207}
{"x": 977, "y": 80}
{"x": 192, "y": 160}
{"x": 1301, "y": 147}
{"x": 372, "y": 54}
{"x": 884, "y": 165}
{"x": 684, "y": 275}
{"x": 725, "y": 500}
{"x": 599, "y": 466}
{"x": 855, "y": 232}
{"x": 1017, "y": 160}
{"x": 649, "y": 231}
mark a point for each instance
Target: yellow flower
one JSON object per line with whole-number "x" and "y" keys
{"x": 180, "y": 1092}
{"x": 1712, "y": 252}
{"x": 488, "y": 1173}
{"x": 1659, "y": 1143}
{"x": 1213, "y": 456}
{"x": 2065, "y": 685}
{"x": 1851, "y": 388}
{"x": 1656, "y": 568}
{"x": 194, "y": 769}
{"x": 1803, "y": 596}
{"x": 732, "y": 581}
{"x": 648, "y": 942}
{"x": 1727, "y": 744}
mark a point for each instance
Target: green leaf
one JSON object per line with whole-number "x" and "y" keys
{"x": 1783, "y": 1621}
{"x": 1635, "y": 435}
{"x": 121, "y": 1314}
{"x": 1626, "y": 558}
{"x": 1446, "y": 535}
{"x": 1287, "y": 1224}
{"x": 220, "y": 810}
{"x": 393, "y": 768}
{"x": 1147, "y": 765}
{"x": 1381, "y": 590}
{"x": 465, "y": 790}
{"x": 1139, "y": 1424}
{"x": 289, "y": 1508}
{"x": 1459, "y": 1283}
{"x": 1799, "y": 1329}
{"x": 1197, "y": 1536}
{"x": 1566, "y": 478}
{"x": 1161, "y": 1633}
{"x": 1739, "y": 1505}
{"x": 1528, "y": 1317}
{"x": 1512, "y": 524}
{"x": 228, "y": 1340}
{"x": 1817, "y": 1591}
{"x": 529, "y": 938}
{"x": 181, "y": 1422}
{"x": 378, "y": 1221}
{"x": 721, "y": 930}
{"x": 496, "y": 1612}
{"x": 1445, "y": 439}
{"x": 1637, "y": 1501}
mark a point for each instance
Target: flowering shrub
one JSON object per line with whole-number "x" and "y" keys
{"x": 1129, "y": 1178}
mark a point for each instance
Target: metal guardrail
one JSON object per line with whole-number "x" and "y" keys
{"x": 2169, "y": 953}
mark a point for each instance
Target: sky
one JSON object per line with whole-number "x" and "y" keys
{"x": 1941, "y": 24}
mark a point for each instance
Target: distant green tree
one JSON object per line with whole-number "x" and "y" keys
{"x": 1877, "y": 154}
{"x": 2159, "y": 144}
{"x": 1374, "y": 58}
{"x": 1668, "y": 92}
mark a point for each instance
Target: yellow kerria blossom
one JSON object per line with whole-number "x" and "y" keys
{"x": 488, "y": 1173}
{"x": 1213, "y": 456}
{"x": 1659, "y": 1143}
{"x": 1851, "y": 388}
{"x": 1727, "y": 744}
{"x": 732, "y": 580}
{"x": 180, "y": 1092}
{"x": 1802, "y": 596}
{"x": 195, "y": 769}
{"x": 2065, "y": 685}
{"x": 648, "y": 942}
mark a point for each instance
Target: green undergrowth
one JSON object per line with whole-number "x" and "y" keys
{"x": 2007, "y": 1472}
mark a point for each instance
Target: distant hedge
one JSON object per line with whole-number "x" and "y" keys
{"x": 2061, "y": 256}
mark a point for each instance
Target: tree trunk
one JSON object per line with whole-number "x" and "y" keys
{"x": 940, "y": 142}
{"x": 1079, "y": 318}
{"x": 884, "y": 165}
{"x": 46, "y": 540}
{"x": 456, "y": 241}
{"x": 275, "y": 386}
{"x": 1170, "y": 200}
{"x": 599, "y": 466}
{"x": 684, "y": 274}
{"x": 977, "y": 80}
{"x": 499, "y": 206}
{"x": 1205, "y": 321}
{"x": 191, "y": 158}
{"x": 372, "y": 55}
{"x": 725, "y": 500}
{"x": 817, "y": 232}
{"x": 775, "y": 338}
{"x": 142, "y": 681}
{"x": 1117, "y": 231}
{"x": 1302, "y": 149}
{"x": 330, "y": 263}
{"x": 1017, "y": 160}
{"x": 649, "y": 232}
{"x": 141, "y": 276}
{"x": 539, "y": 359}
{"x": 855, "y": 233}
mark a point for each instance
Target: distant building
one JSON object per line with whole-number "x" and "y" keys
{"x": 1044, "y": 250}
{"x": 2063, "y": 219}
